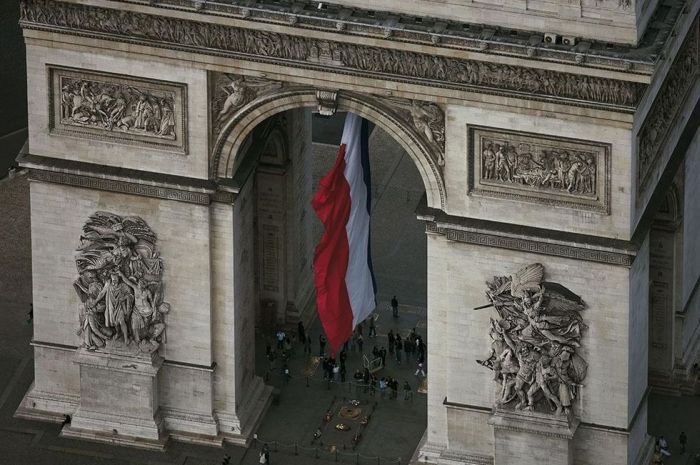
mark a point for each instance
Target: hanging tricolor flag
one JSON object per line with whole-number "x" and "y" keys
{"x": 345, "y": 286}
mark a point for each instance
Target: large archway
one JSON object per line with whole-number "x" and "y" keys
{"x": 277, "y": 162}
{"x": 411, "y": 132}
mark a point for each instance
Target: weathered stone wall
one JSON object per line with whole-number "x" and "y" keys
{"x": 691, "y": 254}
{"x": 457, "y": 274}
{"x": 124, "y": 154}
{"x": 556, "y": 215}
{"x": 300, "y": 222}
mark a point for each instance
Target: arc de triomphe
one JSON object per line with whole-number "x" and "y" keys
{"x": 558, "y": 146}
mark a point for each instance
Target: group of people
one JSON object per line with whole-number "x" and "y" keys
{"x": 662, "y": 450}
{"x": 384, "y": 384}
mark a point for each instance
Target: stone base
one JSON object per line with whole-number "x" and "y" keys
{"x": 46, "y": 406}
{"x": 531, "y": 438}
{"x": 239, "y": 428}
{"x": 118, "y": 399}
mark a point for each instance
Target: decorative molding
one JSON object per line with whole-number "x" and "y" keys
{"x": 530, "y": 245}
{"x": 123, "y": 187}
{"x": 343, "y": 58}
{"x": 681, "y": 77}
{"x": 527, "y": 167}
{"x": 117, "y": 108}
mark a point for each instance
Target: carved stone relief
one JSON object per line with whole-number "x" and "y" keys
{"x": 681, "y": 77}
{"x": 534, "y": 342}
{"x": 231, "y": 92}
{"x": 530, "y": 167}
{"x": 428, "y": 119}
{"x": 120, "y": 285}
{"x": 309, "y": 52}
{"x": 118, "y": 108}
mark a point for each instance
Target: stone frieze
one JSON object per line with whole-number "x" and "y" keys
{"x": 117, "y": 108}
{"x": 312, "y": 53}
{"x": 681, "y": 77}
{"x": 530, "y": 167}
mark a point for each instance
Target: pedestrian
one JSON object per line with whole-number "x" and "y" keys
{"x": 372, "y": 385}
{"x": 301, "y": 331}
{"x": 360, "y": 342}
{"x": 382, "y": 387}
{"x": 407, "y": 348}
{"x": 420, "y": 372}
{"x": 390, "y": 337}
{"x": 285, "y": 373}
{"x": 280, "y": 339}
{"x": 321, "y": 345}
{"x": 399, "y": 349}
{"x": 394, "y": 307}
{"x": 382, "y": 354}
{"x": 683, "y": 440}
{"x": 407, "y": 392}
{"x": 394, "y": 388}
{"x": 336, "y": 373}
{"x": 372, "y": 327}
{"x": 342, "y": 373}
{"x": 266, "y": 454}
{"x": 307, "y": 344}
{"x": 663, "y": 446}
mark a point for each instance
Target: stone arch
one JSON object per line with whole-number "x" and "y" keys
{"x": 227, "y": 148}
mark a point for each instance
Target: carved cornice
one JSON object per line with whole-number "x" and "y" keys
{"x": 530, "y": 245}
{"x": 325, "y": 55}
{"x": 661, "y": 118}
{"x": 121, "y": 187}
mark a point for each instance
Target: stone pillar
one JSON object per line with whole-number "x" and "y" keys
{"x": 118, "y": 399}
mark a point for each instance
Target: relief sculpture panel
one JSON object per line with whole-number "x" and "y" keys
{"x": 534, "y": 168}
{"x": 116, "y": 108}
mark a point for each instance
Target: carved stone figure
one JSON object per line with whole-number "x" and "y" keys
{"x": 534, "y": 341}
{"x": 427, "y": 118}
{"x": 120, "y": 285}
{"x": 231, "y": 92}
{"x": 113, "y": 106}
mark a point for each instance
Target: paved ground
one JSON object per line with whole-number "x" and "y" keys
{"x": 396, "y": 426}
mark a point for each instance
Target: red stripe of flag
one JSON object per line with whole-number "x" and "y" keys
{"x": 332, "y": 205}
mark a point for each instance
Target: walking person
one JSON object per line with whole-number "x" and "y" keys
{"x": 394, "y": 307}
{"x": 360, "y": 342}
{"x": 280, "y": 339}
{"x": 399, "y": 349}
{"x": 390, "y": 337}
{"x": 372, "y": 326}
{"x": 683, "y": 440}
{"x": 407, "y": 392}
{"x": 420, "y": 372}
{"x": 301, "y": 332}
{"x": 265, "y": 455}
{"x": 407, "y": 348}
{"x": 321, "y": 345}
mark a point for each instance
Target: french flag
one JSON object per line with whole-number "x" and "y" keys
{"x": 345, "y": 285}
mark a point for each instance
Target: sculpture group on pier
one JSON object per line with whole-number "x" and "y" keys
{"x": 535, "y": 341}
{"x": 120, "y": 285}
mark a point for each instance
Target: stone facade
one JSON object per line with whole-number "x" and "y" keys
{"x": 195, "y": 117}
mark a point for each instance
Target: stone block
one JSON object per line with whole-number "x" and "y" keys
{"x": 118, "y": 399}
